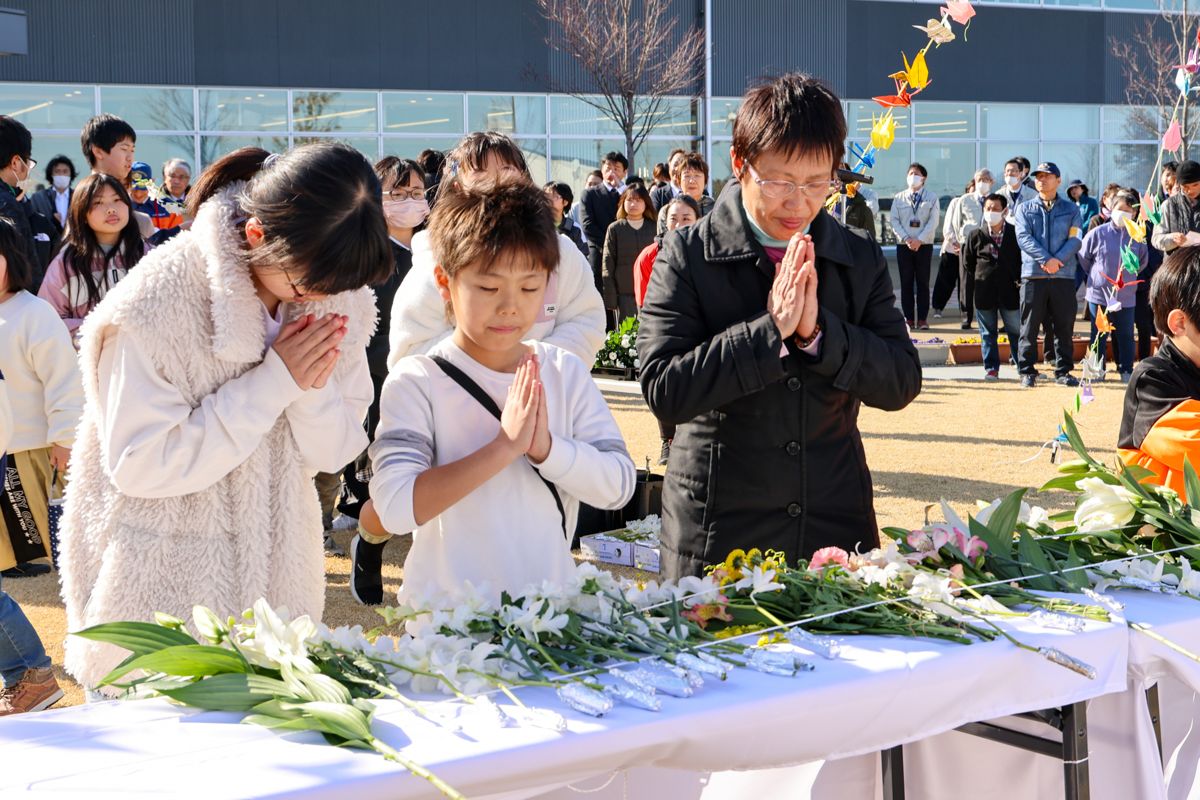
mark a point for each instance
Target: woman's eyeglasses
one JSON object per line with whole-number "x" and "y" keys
{"x": 777, "y": 190}
{"x": 405, "y": 194}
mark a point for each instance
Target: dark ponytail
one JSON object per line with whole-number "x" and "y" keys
{"x": 240, "y": 165}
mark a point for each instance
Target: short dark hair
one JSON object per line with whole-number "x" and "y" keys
{"x": 1016, "y": 161}
{"x": 794, "y": 113}
{"x": 488, "y": 226}
{"x": 431, "y": 161}
{"x": 105, "y": 131}
{"x": 919, "y": 168}
{"x": 396, "y": 171}
{"x": 15, "y": 140}
{"x": 638, "y": 188}
{"x": 20, "y": 271}
{"x": 686, "y": 200}
{"x": 56, "y": 161}
{"x": 1176, "y": 284}
{"x": 473, "y": 151}
{"x": 596, "y": 174}
{"x": 999, "y": 198}
{"x": 662, "y": 172}
{"x": 613, "y": 157}
{"x": 1170, "y": 166}
{"x": 638, "y": 179}
{"x": 693, "y": 161}
{"x": 1024, "y": 162}
{"x": 563, "y": 191}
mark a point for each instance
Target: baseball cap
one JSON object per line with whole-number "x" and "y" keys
{"x": 140, "y": 174}
{"x": 1047, "y": 166}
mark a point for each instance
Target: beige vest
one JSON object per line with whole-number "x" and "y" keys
{"x": 256, "y": 532}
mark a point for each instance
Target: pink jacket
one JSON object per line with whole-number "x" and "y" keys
{"x": 68, "y": 293}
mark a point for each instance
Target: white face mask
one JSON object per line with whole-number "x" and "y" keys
{"x": 1119, "y": 216}
{"x": 1012, "y": 180}
{"x": 915, "y": 181}
{"x": 992, "y": 217}
{"x": 61, "y": 182}
{"x": 984, "y": 187}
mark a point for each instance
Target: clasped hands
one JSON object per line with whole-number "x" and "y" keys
{"x": 309, "y": 348}
{"x": 793, "y": 299}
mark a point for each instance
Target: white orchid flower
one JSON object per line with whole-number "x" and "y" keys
{"x": 1104, "y": 506}
{"x": 1033, "y": 516}
{"x": 929, "y": 588}
{"x": 1189, "y": 580}
{"x": 758, "y": 580}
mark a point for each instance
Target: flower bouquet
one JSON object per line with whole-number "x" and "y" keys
{"x": 619, "y": 353}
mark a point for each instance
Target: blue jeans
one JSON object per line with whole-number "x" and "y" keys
{"x": 1123, "y": 346}
{"x": 989, "y": 323}
{"x": 20, "y": 647}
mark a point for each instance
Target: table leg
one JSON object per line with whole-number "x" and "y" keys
{"x": 1075, "y": 752}
{"x": 892, "y": 764}
{"x": 1155, "y": 717}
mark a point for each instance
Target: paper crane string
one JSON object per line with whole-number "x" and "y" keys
{"x": 938, "y": 31}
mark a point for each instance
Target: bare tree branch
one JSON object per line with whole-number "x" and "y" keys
{"x": 1150, "y": 57}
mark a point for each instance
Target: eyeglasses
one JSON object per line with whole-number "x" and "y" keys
{"x": 32, "y": 162}
{"x": 777, "y": 190}
{"x": 297, "y": 286}
{"x": 405, "y": 194}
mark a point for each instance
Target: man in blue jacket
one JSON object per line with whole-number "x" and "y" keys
{"x": 1049, "y": 232}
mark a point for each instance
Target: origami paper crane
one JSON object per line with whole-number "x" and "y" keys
{"x": 1118, "y": 284}
{"x": 958, "y": 10}
{"x": 1129, "y": 261}
{"x": 1173, "y": 139}
{"x": 1137, "y": 230}
{"x": 1086, "y": 396}
{"x": 1151, "y": 212}
{"x": 915, "y": 75}
{"x": 866, "y": 158}
{"x": 938, "y": 31}
{"x": 1102, "y": 323}
{"x": 902, "y": 99}
{"x": 1192, "y": 65}
{"x": 883, "y": 130}
{"x": 1183, "y": 80}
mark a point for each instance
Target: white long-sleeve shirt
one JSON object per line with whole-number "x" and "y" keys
{"x": 6, "y": 421}
{"x": 40, "y": 367}
{"x": 572, "y": 315}
{"x": 157, "y": 445}
{"x": 508, "y": 532}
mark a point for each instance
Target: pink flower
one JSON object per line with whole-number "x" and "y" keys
{"x": 956, "y": 578}
{"x": 703, "y": 613}
{"x": 829, "y": 555}
{"x": 920, "y": 540}
{"x": 941, "y": 535}
{"x": 970, "y": 546}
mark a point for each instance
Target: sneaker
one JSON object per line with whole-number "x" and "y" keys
{"x": 37, "y": 690}
{"x": 366, "y": 571}
{"x": 992, "y": 375}
{"x": 912, "y": 326}
{"x": 1029, "y": 381}
{"x": 26, "y": 569}
{"x": 937, "y": 314}
{"x": 966, "y": 326}
{"x": 1126, "y": 376}
{"x": 1067, "y": 380}
{"x": 664, "y": 452}
{"x": 332, "y": 547}
{"x": 344, "y": 523}
{"x": 922, "y": 325}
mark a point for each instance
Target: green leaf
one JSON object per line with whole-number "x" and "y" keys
{"x": 229, "y": 692}
{"x": 186, "y": 660}
{"x": 139, "y": 638}
{"x": 324, "y": 688}
{"x": 1138, "y": 472}
{"x": 1076, "y": 577}
{"x": 1191, "y": 482}
{"x": 1004, "y": 519}
{"x": 340, "y": 719}
{"x": 1031, "y": 554}
{"x": 996, "y": 545}
{"x": 1076, "y": 441}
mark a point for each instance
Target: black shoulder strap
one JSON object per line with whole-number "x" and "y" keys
{"x": 484, "y": 399}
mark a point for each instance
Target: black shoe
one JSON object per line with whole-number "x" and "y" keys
{"x": 27, "y": 569}
{"x": 664, "y": 453}
{"x": 366, "y": 571}
{"x": 1067, "y": 380}
{"x": 1029, "y": 381}
{"x": 966, "y": 326}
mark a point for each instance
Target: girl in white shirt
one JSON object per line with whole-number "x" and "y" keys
{"x": 492, "y": 500}
{"x": 38, "y": 361}
{"x": 219, "y": 377}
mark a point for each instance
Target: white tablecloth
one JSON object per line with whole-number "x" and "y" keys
{"x": 884, "y": 691}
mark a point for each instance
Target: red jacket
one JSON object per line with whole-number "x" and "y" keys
{"x": 642, "y": 267}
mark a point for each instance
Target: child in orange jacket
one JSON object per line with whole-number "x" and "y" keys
{"x": 1160, "y": 427}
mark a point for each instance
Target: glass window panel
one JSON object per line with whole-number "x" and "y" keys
{"x": 213, "y": 147}
{"x": 657, "y": 151}
{"x": 1070, "y": 123}
{"x": 951, "y": 165}
{"x": 1008, "y": 121}
{"x": 1132, "y": 122}
{"x": 571, "y": 115}
{"x": 573, "y": 159}
{"x": 724, "y": 109}
{"x": 367, "y": 145}
{"x": 323, "y": 111}
{"x": 418, "y": 112}
{"x": 859, "y": 123}
{"x": 511, "y": 114}
{"x": 890, "y": 169}
{"x": 411, "y": 146}
{"x": 47, "y": 146}
{"x": 150, "y": 109}
{"x": 535, "y": 158}
{"x": 1127, "y": 164}
{"x": 944, "y": 120}
{"x": 48, "y": 105}
{"x": 720, "y": 171}
{"x": 1074, "y": 3}
{"x": 1141, "y": 5}
{"x": 995, "y": 154}
{"x": 1075, "y": 161}
{"x": 156, "y": 149}
{"x": 243, "y": 110}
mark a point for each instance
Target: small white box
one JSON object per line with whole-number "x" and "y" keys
{"x": 608, "y": 549}
{"x": 645, "y": 556}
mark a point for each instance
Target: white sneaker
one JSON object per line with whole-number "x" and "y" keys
{"x": 344, "y": 523}
{"x": 332, "y": 547}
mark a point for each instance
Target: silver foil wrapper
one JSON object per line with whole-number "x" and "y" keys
{"x": 1052, "y": 619}
{"x": 694, "y": 679}
{"x": 656, "y": 680}
{"x": 820, "y": 645}
{"x": 771, "y": 663}
{"x": 492, "y": 713}
{"x": 540, "y": 718}
{"x": 715, "y": 661}
{"x": 698, "y": 665}
{"x": 1112, "y": 604}
{"x": 584, "y": 699}
{"x": 631, "y": 695}
{"x": 1057, "y": 656}
{"x": 1146, "y": 586}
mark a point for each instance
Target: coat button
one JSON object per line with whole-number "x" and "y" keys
{"x": 794, "y": 509}
{"x": 793, "y": 384}
{"x": 793, "y": 448}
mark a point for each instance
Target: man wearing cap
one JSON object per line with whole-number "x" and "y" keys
{"x": 166, "y": 223}
{"x": 1048, "y": 231}
{"x": 1181, "y": 211}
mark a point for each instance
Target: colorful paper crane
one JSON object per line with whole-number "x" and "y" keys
{"x": 1192, "y": 65}
{"x": 1137, "y": 230}
{"x": 1151, "y": 212}
{"x": 901, "y": 99}
{"x": 866, "y": 158}
{"x": 1086, "y": 396}
{"x": 883, "y": 130}
{"x": 1129, "y": 261}
{"x": 1102, "y": 323}
{"x": 1119, "y": 284}
{"x": 960, "y": 11}
{"x": 938, "y": 31}
{"x": 1183, "y": 80}
{"x": 1173, "y": 139}
{"x": 916, "y": 75}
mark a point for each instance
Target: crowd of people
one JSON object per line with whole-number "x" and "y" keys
{"x": 220, "y": 373}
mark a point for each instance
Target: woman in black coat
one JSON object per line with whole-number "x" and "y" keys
{"x": 766, "y": 325}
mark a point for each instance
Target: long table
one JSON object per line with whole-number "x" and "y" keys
{"x": 881, "y": 692}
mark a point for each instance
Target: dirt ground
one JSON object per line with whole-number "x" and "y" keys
{"x": 959, "y": 440}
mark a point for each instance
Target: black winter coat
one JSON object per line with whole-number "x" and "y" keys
{"x": 385, "y": 294}
{"x": 768, "y": 452}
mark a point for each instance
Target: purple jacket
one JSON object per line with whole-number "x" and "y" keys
{"x": 1100, "y": 256}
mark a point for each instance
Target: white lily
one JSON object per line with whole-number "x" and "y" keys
{"x": 1189, "y": 580}
{"x": 928, "y": 588}
{"x": 1104, "y": 506}
{"x": 759, "y": 580}
{"x": 272, "y": 642}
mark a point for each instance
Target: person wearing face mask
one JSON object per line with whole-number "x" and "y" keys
{"x": 914, "y": 219}
{"x": 1100, "y": 257}
{"x": 16, "y": 146}
{"x": 992, "y": 254}
{"x": 765, "y": 327}
{"x": 964, "y": 215}
{"x": 1014, "y": 189}
{"x": 54, "y": 202}
{"x": 1181, "y": 212}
